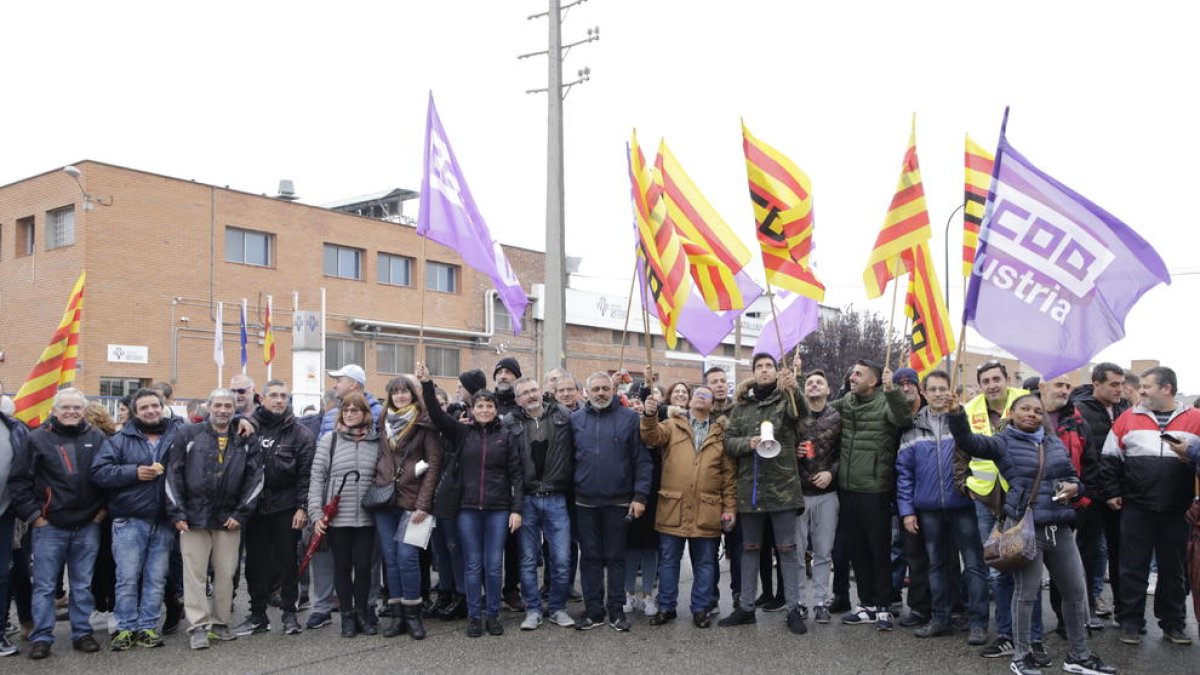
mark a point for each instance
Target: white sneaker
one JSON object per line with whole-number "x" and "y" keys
{"x": 649, "y": 607}
{"x": 631, "y": 603}
{"x": 532, "y": 620}
{"x": 561, "y": 618}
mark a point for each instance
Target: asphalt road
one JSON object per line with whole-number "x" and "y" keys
{"x": 676, "y": 648}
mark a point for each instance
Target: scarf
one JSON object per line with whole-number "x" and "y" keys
{"x": 157, "y": 429}
{"x": 762, "y": 392}
{"x": 1035, "y": 437}
{"x": 399, "y": 424}
{"x": 354, "y": 433}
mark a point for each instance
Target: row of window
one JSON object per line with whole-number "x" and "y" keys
{"x": 633, "y": 339}
{"x": 59, "y": 232}
{"x": 392, "y": 358}
{"x": 250, "y": 247}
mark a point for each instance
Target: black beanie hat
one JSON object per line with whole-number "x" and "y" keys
{"x": 473, "y": 380}
{"x": 510, "y": 363}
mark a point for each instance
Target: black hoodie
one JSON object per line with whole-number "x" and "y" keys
{"x": 1098, "y": 426}
{"x": 285, "y": 448}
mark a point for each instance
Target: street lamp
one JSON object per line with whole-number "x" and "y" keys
{"x": 89, "y": 200}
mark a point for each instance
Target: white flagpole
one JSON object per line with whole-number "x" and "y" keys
{"x": 219, "y": 346}
{"x": 270, "y": 313}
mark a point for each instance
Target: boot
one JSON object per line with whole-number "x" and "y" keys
{"x": 456, "y": 610}
{"x": 438, "y": 606}
{"x": 368, "y": 622}
{"x": 416, "y": 627}
{"x": 349, "y": 625}
{"x": 394, "y": 620}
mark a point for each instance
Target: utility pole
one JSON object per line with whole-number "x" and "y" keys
{"x": 554, "y": 346}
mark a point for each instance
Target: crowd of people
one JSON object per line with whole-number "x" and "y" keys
{"x": 424, "y": 506}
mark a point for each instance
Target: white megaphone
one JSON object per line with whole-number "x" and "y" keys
{"x": 768, "y": 447}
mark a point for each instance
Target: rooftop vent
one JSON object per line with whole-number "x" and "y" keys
{"x": 287, "y": 191}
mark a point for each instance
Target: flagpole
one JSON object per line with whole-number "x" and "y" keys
{"x": 646, "y": 326}
{"x": 962, "y": 343}
{"x": 425, "y": 282}
{"x": 245, "y": 317}
{"x": 265, "y": 330}
{"x": 220, "y": 336}
{"x": 628, "y": 309}
{"x": 775, "y": 320}
{"x": 891, "y": 324}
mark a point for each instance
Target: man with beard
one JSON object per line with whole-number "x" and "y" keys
{"x": 285, "y": 449}
{"x": 507, "y": 372}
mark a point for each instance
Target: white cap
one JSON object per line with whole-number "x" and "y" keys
{"x": 352, "y": 371}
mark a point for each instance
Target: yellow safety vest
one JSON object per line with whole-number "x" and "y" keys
{"x": 983, "y": 471}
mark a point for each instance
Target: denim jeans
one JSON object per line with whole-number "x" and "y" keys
{"x": 784, "y": 524}
{"x": 545, "y": 517}
{"x": 963, "y": 531}
{"x": 402, "y": 562}
{"x": 53, "y": 546}
{"x": 703, "y": 552}
{"x": 645, "y": 559}
{"x": 6, "y": 536}
{"x": 482, "y": 534}
{"x": 602, "y": 558}
{"x": 448, "y": 557}
{"x": 1003, "y": 585}
{"x": 142, "y": 550}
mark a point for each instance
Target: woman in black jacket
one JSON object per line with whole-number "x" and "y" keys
{"x": 1018, "y": 450}
{"x": 490, "y": 475}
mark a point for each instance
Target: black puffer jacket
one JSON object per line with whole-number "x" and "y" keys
{"x": 490, "y": 463}
{"x": 559, "y": 472}
{"x": 204, "y": 487}
{"x": 1098, "y": 426}
{"x": 52, "y": 475}
{"x": 825, "y": 432}
{"x": 1016, "y": 456}
{"x": 285, "y": 448}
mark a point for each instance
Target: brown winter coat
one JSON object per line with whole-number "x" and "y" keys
{"x": 697, "y": 487}
{"x": 413, "y": 493}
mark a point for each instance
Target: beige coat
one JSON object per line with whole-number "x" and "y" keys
{"x": 697, "y": 487}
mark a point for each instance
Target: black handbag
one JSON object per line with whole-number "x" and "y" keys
{"x": 448, "y": 495}
{"x": 380, "y": 496}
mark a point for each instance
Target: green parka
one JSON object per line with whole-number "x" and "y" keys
{"x": 765, "y": 485}
{"x": 870, "y": 437}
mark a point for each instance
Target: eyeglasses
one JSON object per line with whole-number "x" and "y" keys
{"x": 240, "y": 391}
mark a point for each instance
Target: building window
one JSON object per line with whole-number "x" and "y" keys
{"x": 121, "y": 386}
{"x": 395, "y": 270}
{"x": 60, "y": 227}
{"x": 729, "y": 350}
{"x": 342, "y": 261}
{"x": 340, "y": 352}
{"x": 249, "y": 247}
{"x": 504, "y": 319}
{"x": 441, "y": 277}
{"x": 24, "y": 237}
{"x": 394, "y": 358}
{"x": 442, "y": 361}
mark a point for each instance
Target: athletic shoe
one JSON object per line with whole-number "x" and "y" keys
{"x": 631, "y": 603}
{"x": 840, "y": 603}
{"x": 649, "y": 606}
{"x": 821, "y": 614}
{"x": 474, "y": 627}
{"x": 149, "y": 638}
{"x": 1176, "y": 636}
{"x": 1040, "y": 656}
{"x": 532, "y": 620}
{"x": 290, "y": 625}
{"x": 221, "y": 633}
{"x": 39, "y": 650}
{"x": 561, "y": 618}
{"x": 511, "y": 601}
{"x": 914, "y": 619}
{"x": 795, "y": 621}
{"x": 977, "y": 637}
{"x": 253, "y": 625}
{"x": 618, "y": 621}
{"x": 318, "y": 620}
{"x": 933, "y": 629}
{"x": 666, "y": 617}
{"x": 7, "y": 648}
{"x": 883, "y": 621}
{"x": 1092, "y": 665}
{"x": 1001, "y": 646}
{"x": 493, "y": 626}
{"x": 1025, "y": 666}
{"x": 199, "y": 639}
{"x": 1130, "y": 636}
{"x": 586, "y": 622}
{"x": 776, "y": 604}
{"x": 860, "y": 615}
{"x": 86, "y": 644}
{"x": 1101, "y": 608}
{"x": 739, "y": 617}
{"x": 122, "y": 641}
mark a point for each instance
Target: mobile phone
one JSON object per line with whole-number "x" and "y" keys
{"x": 1061, "y": 496}
{"x": 1168, "y": 437}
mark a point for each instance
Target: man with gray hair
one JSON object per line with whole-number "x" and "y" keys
{"x": 244, "y": 395}
{"x": 214, "y": 479}
{"x": 52, "y": 490}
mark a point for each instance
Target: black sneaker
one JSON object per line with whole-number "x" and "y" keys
{"x": 1176, "y": 636}
{"x": 933, "y": 629}
{"x": 821, "y": 614}
{"x": 173, "y": 615}
{"x": 493, "y": 625}
{"x": 739, "y": 617}
{"x": 618, "y": 621}
{"x": 795, "y": 621}
{"x": 1040, "y": 656}
{"x": 1092, "y": 665}
{"x": 511, "y": 601}
{"x": 665, "y": 617}
{"x": 253, "y": 625}
{"x": 775, "y": 604}
{"x": 1001, "y": 646}
{"x": 318, "y": 620}
{"x": 1130, "y": 635}
{"x": 290, "y": 625}
{"x": 474, "y": 628}
{"x": 913, "y": 620}
{"x": 1025, "y": 666}
{"x": 586, "y": 622}
{"x": 86, "y": 644}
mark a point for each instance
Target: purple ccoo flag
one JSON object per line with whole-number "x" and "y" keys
{"x": 1055, "y": 275}
{"x": 448, "y": 216}
{"x": 797, "y": 317}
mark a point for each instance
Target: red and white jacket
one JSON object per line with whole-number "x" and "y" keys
{"x": 1138, "y": 466}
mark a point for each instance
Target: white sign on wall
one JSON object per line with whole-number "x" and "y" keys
{"x": 128, "y": 354}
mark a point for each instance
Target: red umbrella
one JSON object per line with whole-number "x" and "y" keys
{"x": 1193, "y": 518}
{"x": 330, "y": 511}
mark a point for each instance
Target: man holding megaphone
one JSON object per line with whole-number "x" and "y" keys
{"x": 762, "y": 439}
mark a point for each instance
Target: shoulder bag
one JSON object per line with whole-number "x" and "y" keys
{"x": 1011, "y": 549}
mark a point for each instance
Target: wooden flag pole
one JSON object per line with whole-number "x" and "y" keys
{"x": 958, "y": 366}
{"x": 628, "y": 309}
{"x": 887, "y": 358}
{"x": 775, "y": 320}
{"x": 646, "y": 327}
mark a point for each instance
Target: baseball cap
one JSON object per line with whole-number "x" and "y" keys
{"x": 352, "y": 371}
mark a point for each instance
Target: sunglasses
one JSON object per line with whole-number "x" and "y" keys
{"x": 240, "y": 391}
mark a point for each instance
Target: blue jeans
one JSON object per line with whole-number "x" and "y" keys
{"x": 6, "y": 536}
{"x": 545, "y": 517}
{"x": 703, "y": 552}
{"x": 142, "y": 550}
{"x": 1003, "y": 585}
{"x": 963, "y": 530}
{"x": 448, "y": 557}
{"x": 482, "y": 534}
{"x": 402, "y": 562}
{"x": 53, "y": 546}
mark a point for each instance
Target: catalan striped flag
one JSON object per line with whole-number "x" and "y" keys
{"x": 932, "y": 336}
{"x": 56, "y": 366}
{"x": 663, "y": 263}
{"x": 979, "y": 164}
{"x": 714, "y": 253}
{"x": 906, "y": 225}
{"x": 783, "y": 215}
{"x": 268, "y": 336}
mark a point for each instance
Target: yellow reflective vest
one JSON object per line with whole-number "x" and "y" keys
{"x": 983, "y": 471}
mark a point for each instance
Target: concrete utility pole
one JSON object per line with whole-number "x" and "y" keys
{"x": 554, "y": 345}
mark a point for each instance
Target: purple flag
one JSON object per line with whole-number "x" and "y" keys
{"x": 1055, "y": 275}
{"x": 797, "y": 317}
{"x": 448, "y": 216}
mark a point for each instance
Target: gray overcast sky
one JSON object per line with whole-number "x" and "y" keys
{"x": 332, "y": 95}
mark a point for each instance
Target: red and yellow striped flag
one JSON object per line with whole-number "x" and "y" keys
{"x": 56, "y": 366}
{"x": 979, "y": 163}
{"x": 715, "y": 255}
{"x": 783, "y": 215}
{"x": 906, "y": 225}
{"x": 268, "y": 336}
{"x": 663, "y": 263}
{"x": 932, "y": 336}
